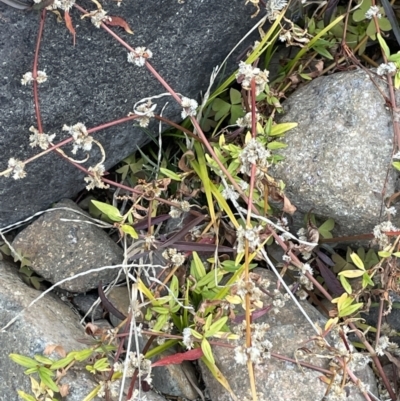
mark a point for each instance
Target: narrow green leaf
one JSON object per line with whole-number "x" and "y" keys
{"x": 44, "y": 360}
{"x": 216, "y": 327}
{"x": 345, "y": 284}
{"x": 280, "y": 129}
{"x": 197, "y": 267}
{"x": 206, "y": 348}
{"x": 170, "y": 174}
{"x": 357, "y": 261}
{"x": 109, "y": 210}
{"x": 351, "y": 273}
{"x": 366, "y": 280}
{"x": 383, "y": 44}
{"x": 25, "y": 396}
{"x": 127, "y": 229}
{"x": 350, "y": 310}
{"x": 62, "y": 363}
{"x": 48, "y": 381}
{"x": 23, "y": 360}
{"x": 276, "y": 145}
{"x": 385, "y": 254}
{"x": 92, "y": 394}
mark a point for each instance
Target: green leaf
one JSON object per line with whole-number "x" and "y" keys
{"x": 323, "y": 52}
{"x": 110, "y": 211}
{"x": 197, "y": 269}
{"x": 25, "y": 396}
{"x": 206, "y": 348}
{"x": 394, "y": 57}
{"x": 102, "y": 365}
{"x": 62, "y": 363}
{"x": 92, "y": 394}
{"x": 396, "y": 165}
{"x": 345, "y": 284}
{"x": 305, "y": 76}
{"x": 235, "y": 96}
{"x": 221, "y": 108}
{"x": 383, "y": 44}
{"x": 23, "y": 361}
{"x": 80, "y": 356}
{"x": 170, "y": 174}
{"x": 207, "y": 325}
{"x": 276, "y": 145}
{"x": 327, "y": 225}
{"x": 350, "y": 309}
{"x": 280, "y": 129}
{"x": 48, "y": 381}
{"x": 127, "y": 229}
{"x": 357, "y": 261}
{"x": 44, "y": 360}
{"x": 351, "y": 273}
{"x": 216, "y": 327}
{"x": 366, "y": 280}
{"x": 384, "y": 254}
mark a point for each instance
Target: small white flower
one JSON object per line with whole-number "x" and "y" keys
{"x": 139, "y": 56}
{"x": 240, "y": 355}
{"x": 65, "y": 5}
{"x": 247, "y": 73}
{"x": 245, "y": 122}
{"x": 251, "y": 235}
{"x": 185, "y": 206}
{"x": 82, "y": 139}
{"x": 27, "y": 78}
{"x": 254, "y": 153}
{"x": 98, "y": 16}
{"x": 94, "y": 181}
{"x": 373, "y": 11}
{"x": 230, "y": 193}
{"x": 40, "y": 139}
{"x": 17, "y": 169}
{"x": 187, "y": 338}
{"x": 388, "y": 68}
{"x": 175, "y": 212}
{"x": 391, "y": 210}
{"x": 145, "y": 111}
{"x": 189, "y": 107}
{"x": 273, "y": 7}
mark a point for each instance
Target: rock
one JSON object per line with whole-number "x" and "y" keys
{"x": 338, "y": 156}
{"x": 59, "y": 249}
{"x": 93, "y": 83}
{"x": 275, "y": 379}
{"x": 171, "y": 380}
{"x": 47, "y": 322}
{"x": 84, "y": 302}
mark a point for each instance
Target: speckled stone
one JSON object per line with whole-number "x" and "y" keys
{"x": 338, "y": 157}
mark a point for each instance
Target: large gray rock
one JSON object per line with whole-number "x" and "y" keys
{"x": 47, "y": 322}
{"x": 338, "y": 157}
{"x": 59, "y": 245}
{"x": 93, "y": 83}
{"x": 277, "y": 379}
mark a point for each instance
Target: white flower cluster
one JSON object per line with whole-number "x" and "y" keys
{"x": 245, "y": 122}
{"x": 260, "y": 346}
{"x": 134, "y": 362}
{"x": 27, "y": 78}
{"x": 109, "y": 386}
{"x": 65, "y": 5}
{"x": 39, "y": 139}
{"x": 252, "y": 235}
{"x": 273, "y": 8}
{"x": 254, "y": 153}
{"x": 379, "y": 232}
{"x": 388, "y": 68}
{"x": 98, "y": 16}
{"x": 247, "y": 72}
{"x": 145, "y": 111}
{"x": 94, "y": 181}
{"x": 174, "y": 256}
{"x": 229, "y": 193}
{"x": 16, "y": 168}
{"x": 166, "y": 328}
{"x": 176, "y": 212}
{"x": 187, "y": 338}
{"x": 139, "y": 56}
{"x": 383, "y": 344}
{"x": 373, "y": 11}
{"x": 189, "y": 107}
{"x": 82, "y": 139}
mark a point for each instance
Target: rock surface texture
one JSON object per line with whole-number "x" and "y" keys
{"x": 48, "y": 322}
{"x": 277, "y": 379}
{"x": 337, "y": 161}
{"x": 93, "y": 83}
{"x": 61, "y": 243}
